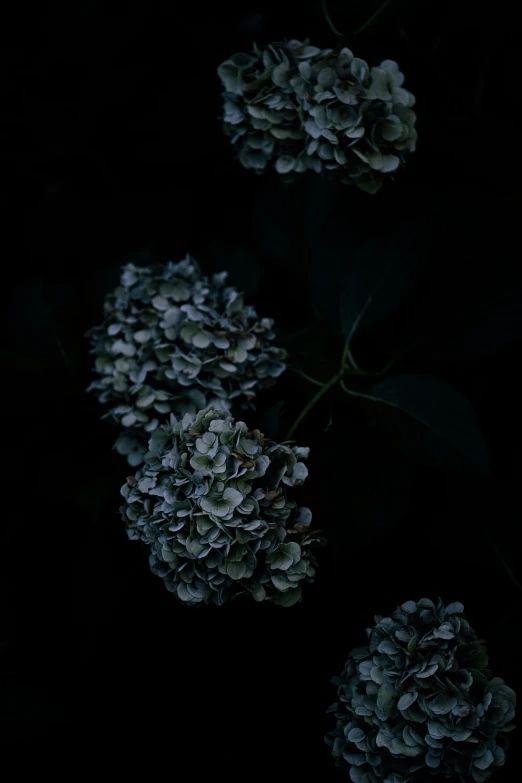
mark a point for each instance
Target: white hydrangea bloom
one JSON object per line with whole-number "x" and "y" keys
{"x": 211, "y": 503}
{"x": 296, "y": 108}
{"x": 418, "y": 698}
{"x": 174, "y": 340}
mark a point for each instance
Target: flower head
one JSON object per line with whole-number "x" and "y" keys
{"x": 211, "y": 503}
{"x": 418, "y": 696}
{"x": 295, "y": 107}
{"x": 174, "y": 340}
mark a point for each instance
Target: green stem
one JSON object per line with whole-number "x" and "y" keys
{"x": 305, "y": 376}
{"x": 348, "y": 363}
{"x": 372, "y": 18}
{"x": 329, "y": 21}
{"x": 507, "y": 568}
{"x": 347, "y": 360}
{"x": 310, "y": 404}
{"x": 383, "y": 371}
{"x": 353, "y": 393}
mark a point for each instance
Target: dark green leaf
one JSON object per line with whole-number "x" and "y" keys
{"x": 273, "y": 224}
{"x": 467, "y": 311}
{"x": 312, "y": 350}
{"x": 301, "y": 241}
{"x": 484, "y": 326}
{"x": 433, "y": 420}
{"x": 270, "y": 420}
{"x": 334, "y": 229}
{"x": 373, "y": 513}
{"x": 244, "y": 273}
{"x": 380, "y": 276}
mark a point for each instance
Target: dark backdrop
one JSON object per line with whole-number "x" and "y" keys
{"x": 111, "y": 150}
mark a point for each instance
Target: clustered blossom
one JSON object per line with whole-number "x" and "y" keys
{"x": 211, "y": 503}
{"x": 419, "y": 697}
{"x": 175, "y": 341}
{"x": 297, "y": 108}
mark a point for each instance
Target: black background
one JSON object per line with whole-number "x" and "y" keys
{"x": 111, "y": 150}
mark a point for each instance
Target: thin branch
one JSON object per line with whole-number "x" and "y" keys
{"x": 347, "y": 359}
{"x": 330, "y": 420}
{"x": 372, "y": 18}
{"x": 383, "y": 371}
{"x": 329, "y": 21}
{"x": 308, "y": 407}
{"x": 348, "y": 363}
{"x": 507, "y": 568}
{"x": 305, "y": 376}
{"x": 62, "y": 352}
{"x": 353, "y": 393}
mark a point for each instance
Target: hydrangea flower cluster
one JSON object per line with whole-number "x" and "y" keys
{"x": 173, "y": 340}
{"x": 419, "y": 697}
{"x": 297, "y": 108}
{"x": 211, "y": 503}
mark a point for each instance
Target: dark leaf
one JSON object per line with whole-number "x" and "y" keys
{"x": 274, "y": 224}
{"x": 433, "y": 420}
{"x": 467, "y": 311}
{"x": 300, "y": 230}
{"x": 323, "y": 198}
{"x": 371, "y": 512}
{"x": 485, "y": 326}
{"x": 379, "y": 277}
{"x": 312, "y": 349}
{"x": 32, "y": 314}
{"x": 244, "y": 272}
{"x": 334, "y": 230}
{"x": 270, "y": 421}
